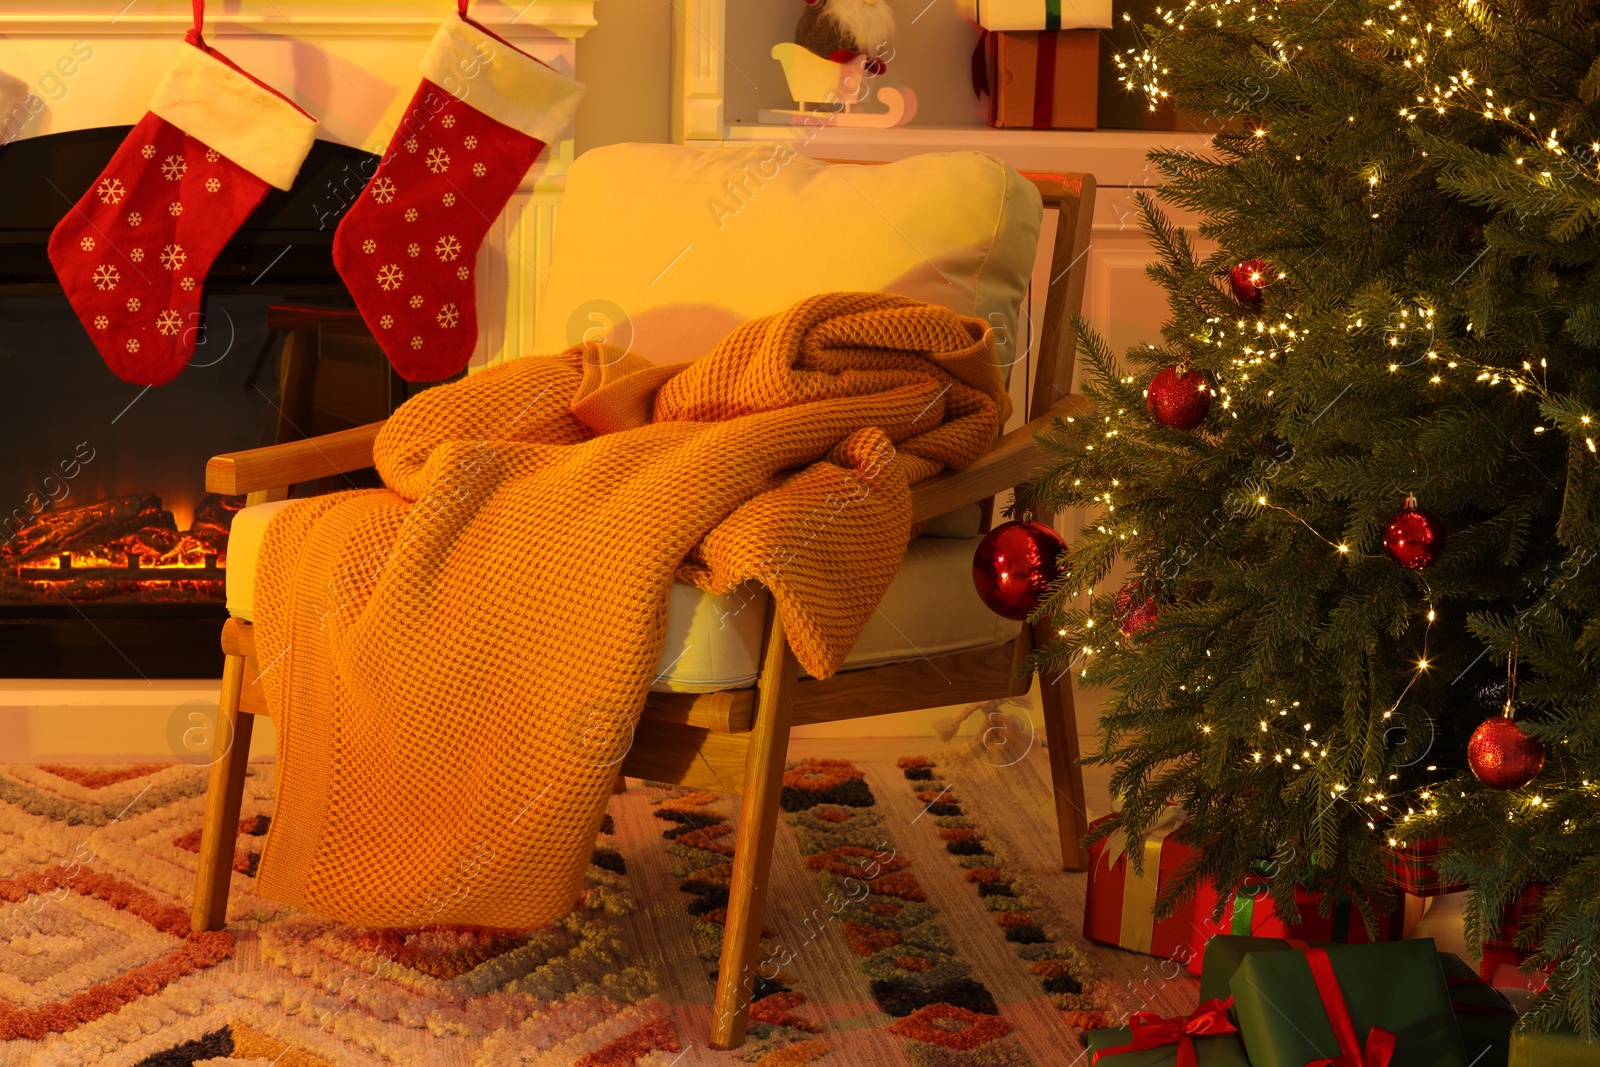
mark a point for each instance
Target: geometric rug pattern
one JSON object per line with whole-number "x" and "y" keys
{"x": 913, "y": 919}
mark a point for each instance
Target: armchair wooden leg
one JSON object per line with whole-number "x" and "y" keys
{"x": 231, "y": 755}
{"x": 1061, "y": 732}
{"x": 752, "y": 857}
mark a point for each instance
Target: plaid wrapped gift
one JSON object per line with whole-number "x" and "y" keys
{"x": 1501, "y": 950}
{"x": 1412, "y": 866}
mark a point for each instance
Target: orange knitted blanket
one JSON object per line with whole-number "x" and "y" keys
{"x": 456, "y": 663}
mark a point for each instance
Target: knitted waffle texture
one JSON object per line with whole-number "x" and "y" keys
{"x": 456, "y": 663}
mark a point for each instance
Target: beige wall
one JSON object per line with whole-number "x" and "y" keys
{"x": 626, "y": 62}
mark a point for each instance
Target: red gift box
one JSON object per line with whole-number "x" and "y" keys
{"x": 1119, "y": 905}
{"x": 1251, "y": 913}
{"x": 1412, "y": 866}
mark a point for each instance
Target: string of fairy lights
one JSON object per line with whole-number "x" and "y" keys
{"x": 1247, "y": 343}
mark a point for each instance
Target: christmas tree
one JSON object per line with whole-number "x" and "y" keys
{"x": 1357, "y": 484}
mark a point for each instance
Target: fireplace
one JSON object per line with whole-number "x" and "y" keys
{"x": 112, "y": 555}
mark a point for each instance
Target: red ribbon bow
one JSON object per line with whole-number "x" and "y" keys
{"x": 1152, "y": 1031}
{"x": 1379, "y": 1047}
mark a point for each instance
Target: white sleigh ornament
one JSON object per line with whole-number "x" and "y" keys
{"x": 839, "y": 91}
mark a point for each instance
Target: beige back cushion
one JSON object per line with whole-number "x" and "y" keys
{"x": 663, "y": 249}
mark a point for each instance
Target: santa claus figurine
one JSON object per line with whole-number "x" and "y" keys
{"x": 840, "y": 30}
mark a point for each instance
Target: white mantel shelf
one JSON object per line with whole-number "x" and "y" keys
{"x": 291, "y": 18}
{"x": 1115, "y": 157}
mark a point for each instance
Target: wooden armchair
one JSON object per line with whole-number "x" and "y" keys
{"x": 733, "y": 741}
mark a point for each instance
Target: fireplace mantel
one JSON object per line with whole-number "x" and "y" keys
{"x": 309, "y": 18}
{"x": 350, "y": 63}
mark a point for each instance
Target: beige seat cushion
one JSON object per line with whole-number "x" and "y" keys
{"x": 714, "y": 642}
{"x": 665, "y": 248}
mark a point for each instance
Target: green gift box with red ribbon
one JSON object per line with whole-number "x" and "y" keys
{"x": 1207, "y": 1037}
{"x": 1484, "y": 1017}
{"x": 1374, "y": 1005}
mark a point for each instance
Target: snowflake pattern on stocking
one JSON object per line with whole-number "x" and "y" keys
{"x": 426, "y": 219}
{"x": 132, "y": 219}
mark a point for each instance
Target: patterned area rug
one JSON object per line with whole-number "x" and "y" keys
{"x": 916, "y": 918}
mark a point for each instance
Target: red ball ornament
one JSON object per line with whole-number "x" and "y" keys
{"x": 1179, "y": 397}
{"x": 1133, "y": 614}
{"x": 1015, "y": 565}
{"x": 1501, "y": 755}
{"x": 1414, "y": 538}
{"x": 1247, "y": 280}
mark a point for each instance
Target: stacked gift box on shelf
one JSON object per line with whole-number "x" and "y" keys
{"x": 1039, "y": 61}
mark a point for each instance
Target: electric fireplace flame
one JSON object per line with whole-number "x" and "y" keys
{"x": 122, "y": 549}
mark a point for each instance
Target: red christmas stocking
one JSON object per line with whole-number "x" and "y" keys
{"x": 132, "y": 254}
{"x": 482, "y": 114}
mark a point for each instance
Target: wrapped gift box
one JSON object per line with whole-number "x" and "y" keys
{"x": 1301, "y": 1007}
{"x": 1041, "y": 14}
{"x": 1152, "y": 1041}
{"x": 1483, "y": 1015}
{"x": 1047, "y": 80}
{"x": 1501, "y": 950}
{"x": 1411, "y": 865}
{"x": 1119, "y": 904}
{"x": 1251, "y": 913}
{"x": 1554, "y": 1048}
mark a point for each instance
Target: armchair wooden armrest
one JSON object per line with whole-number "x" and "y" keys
{"x": 262, "y": 470}
{"x": 1013, "y": 457}
{"x": 257, "y": 470}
